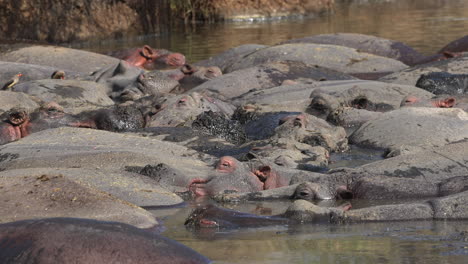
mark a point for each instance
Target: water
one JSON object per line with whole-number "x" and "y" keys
{"x": 426, "y": 25}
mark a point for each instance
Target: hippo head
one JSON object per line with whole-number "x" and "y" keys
{"x": 310, "y": 130}
{"x": 152, "y": 59}
{"x": 233, "y": 176}
{"x": 182, "y": 110}
{"x": 313, "y": 191}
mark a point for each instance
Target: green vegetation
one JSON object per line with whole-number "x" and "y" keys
{"x": 193, "y": 10}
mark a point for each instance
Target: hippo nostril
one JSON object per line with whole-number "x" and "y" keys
{"x": 304, "y": 194}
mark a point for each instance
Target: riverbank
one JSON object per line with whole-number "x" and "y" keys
{"x": 77, "y": 20}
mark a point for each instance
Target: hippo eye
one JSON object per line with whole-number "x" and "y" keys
{"x": 297, "y": 122}
{"x": 303, "y": 194}
{"x": 226, "y": 164}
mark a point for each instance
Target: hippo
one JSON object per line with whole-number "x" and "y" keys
{"x": 19, "y": 123}
{"x": 196, "y": 75}
{"x": 410, "y": 75}
{"x": 458, "y": 45}
{"x": 387, "y": 131}
{"x": 67, "y": 240}
{"x": 330, "y": 96}
{"x": 366, "y": 43}
{"x": 338, "y": 58}
{"x": 75, "y": 96}
{"x": 182, "y": 110}
{"x": 235, "y": 176}
{"x": 443, "y": 83}
{"x": 149, "y": 58}
{"x": 228, "y": 57}
{"x": 10, "y": 100}
{"x": 211, "y": 216}
{"x": 32, "y": 72}
{"x": 59, "y": 58}
{"x": 267, "y": 75}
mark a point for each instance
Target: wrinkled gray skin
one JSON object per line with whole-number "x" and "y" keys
{"x": 338, "y": 58}
{"x": 332, "y": 97}
{"x": 182, "y": 110}
{"x": 410, "y": 76}
{"x": 196, "y": 75}
{"x": 75, "y": 240}
{"x": 366, "y": 43}
{"x": 75, "y": 96}
{"x": 286, "y": 97}
{"x": 126, "y": 82}
{"x": 412, "y": 129}
{"x": 10, "y": 100}
{"x": 265, "y": 76}
{"x": 225, "y": 59}
{"x": 42, "y": 193}
{"x": 59, "y": 57}
{"x": 32, "y": 72}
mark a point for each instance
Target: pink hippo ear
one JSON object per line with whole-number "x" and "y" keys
{"x": 447, "y": 102}
{"x": 188, "y": 69}
{"x": 147, "y": 52}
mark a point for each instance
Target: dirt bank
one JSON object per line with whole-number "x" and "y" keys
{"x": 72, "y": 20}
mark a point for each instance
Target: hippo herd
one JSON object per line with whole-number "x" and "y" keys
{"x": 90, "y": 140}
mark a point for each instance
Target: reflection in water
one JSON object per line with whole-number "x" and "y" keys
{"x": 426, "y": 25}
{"x": 395, "y": 242}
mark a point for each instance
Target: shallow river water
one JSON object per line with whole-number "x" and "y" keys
{"x": 426, "y": 25}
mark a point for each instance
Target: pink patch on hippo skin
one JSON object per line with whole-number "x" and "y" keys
{"x": 198, "y": 187}
{"x": 445, "y": 103}
{"x": 175, "y": 59}
{"x": 208, "y": 223}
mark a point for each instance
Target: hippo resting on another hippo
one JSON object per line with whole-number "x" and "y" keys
{"x": 59, "y": 57}
{"x": 411, "y": 75}
{"x": 150, "y": 59}
{"x": 225, "y": 59}
{"x": 74, "y": 240}
{"x": 366, "y": 43}
{"x": 267, "y": 75}
{"x": 338, "y": 58}
{"x": 351, "y": 103}
{"x": 411, "y": 129}
{"x": 32, "y": 72}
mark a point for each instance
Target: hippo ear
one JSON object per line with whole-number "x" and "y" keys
{"x": 147, "y": 52}
{"x": 360, "y": 103}
{"x": 188, "y": 69}
{"x": 448, "y": 102}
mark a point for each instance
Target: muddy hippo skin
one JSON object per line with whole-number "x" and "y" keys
{"x": 182, "y": 110}
{"x": 459, "y": 45}
{"x": 417, "y": 133}
{"x": 410, "y": 75}
{"x": 150, "y": 59}
{"x": 59, "y": 58}
{"x": 267, "y": 75}
{"x": 19, "y": 123}
{"x": 228, "y": 57}
{"x": 196, "y": 75}
{"x": 338, "y": 58}
{"x": 32, "y": 72}
{"x": 367, "y": 95}
{"x": 441, "y": 101}
{"x": 210, "y": 216}
{"x": 74, "y": 240}
{"x": 235, "y": 176}
{"x": 366, "y": 43}
{"x": 444, "y": 83}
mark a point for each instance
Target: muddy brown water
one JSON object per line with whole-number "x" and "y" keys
{"x": 426, "y": 25}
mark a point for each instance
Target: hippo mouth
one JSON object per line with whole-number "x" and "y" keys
{"x": 198, "y": 187}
